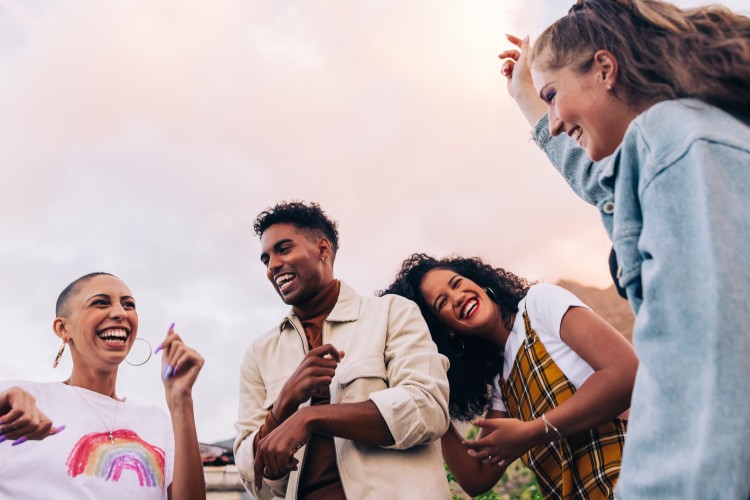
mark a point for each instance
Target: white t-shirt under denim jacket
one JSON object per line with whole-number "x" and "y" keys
{"x": 81, "y": 462}
{"x": 675, "y": 199}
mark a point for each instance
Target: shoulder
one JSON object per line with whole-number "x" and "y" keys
{"x": 34, "y": 388}
{"x": 666, "y": 131}
{"x": 542, "y": 295}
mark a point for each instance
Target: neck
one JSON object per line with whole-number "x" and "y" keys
{"x": 501, "y": 328}
{"x": 104, "y": 383}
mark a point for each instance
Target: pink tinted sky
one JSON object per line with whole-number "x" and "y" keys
{"x": 142, "y": 138}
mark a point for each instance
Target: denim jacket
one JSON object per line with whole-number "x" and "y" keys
{"x": 675, "y": 200}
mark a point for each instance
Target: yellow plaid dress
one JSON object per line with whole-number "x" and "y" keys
{"x": 582, "y": 466}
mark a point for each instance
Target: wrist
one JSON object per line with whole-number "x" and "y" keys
{"x": 537, "y": 434}
{"x": 180, "y": 402}
{"x": 309, "y": 417}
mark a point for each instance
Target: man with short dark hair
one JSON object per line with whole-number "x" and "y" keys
{"x": 348, "y": 395}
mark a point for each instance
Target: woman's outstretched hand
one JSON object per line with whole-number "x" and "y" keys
{"x": 508, "y": 439}
{"x": 20, "y": 418}
{"x": 180, "y": 366}
{"x": 516, "y": 70}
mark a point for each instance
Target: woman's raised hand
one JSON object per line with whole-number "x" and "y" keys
{"x": 20, "y": 418}
{"x": 516, "y": 70}
{"x": 180, "y": 366}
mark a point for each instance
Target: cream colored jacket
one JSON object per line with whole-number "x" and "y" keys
{"x": 390, "y": 360}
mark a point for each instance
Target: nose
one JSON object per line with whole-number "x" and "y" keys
{"x": 555, "y": 124}
{"x": 457, "y": 297}
{"x": 118, "y": 311}
{"x": 274, "y": 264}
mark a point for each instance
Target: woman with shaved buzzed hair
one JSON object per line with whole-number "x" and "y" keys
{"x": 77, "y": 438}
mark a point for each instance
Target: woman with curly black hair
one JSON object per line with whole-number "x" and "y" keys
{"x": 551, "y": 375}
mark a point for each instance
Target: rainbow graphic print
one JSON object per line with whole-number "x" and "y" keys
{"x": 95, "y": 455}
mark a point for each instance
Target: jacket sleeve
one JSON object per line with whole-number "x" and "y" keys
{"x": 572, "y": 161}
{"x": 415, "y": 405}
{"x": 252, "y": 414}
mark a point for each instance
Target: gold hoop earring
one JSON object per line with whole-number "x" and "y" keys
{"x": 59, "y": 354}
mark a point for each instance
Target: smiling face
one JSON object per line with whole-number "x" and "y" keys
{"x": 584, "y": 105}
{"x": 298, "y": 264}
{"x": 462, "y": 305}
{"x": 100, "y": 322}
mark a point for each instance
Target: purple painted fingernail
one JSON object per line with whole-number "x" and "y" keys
{"x": 19, "y": 441}
{"x": 59, "y": 429}
{"x": 159, "y": 348}
{"x": 171, "y": 327}
{"x": 167, "y": 372}
{"x": 3, "y": 438}
{"x": 174, "y": 372}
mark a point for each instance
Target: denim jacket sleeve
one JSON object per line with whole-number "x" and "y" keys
{"x": 573, "y": 163}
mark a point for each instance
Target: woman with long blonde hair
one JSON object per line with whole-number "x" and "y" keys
{"x": 660, "y": 97}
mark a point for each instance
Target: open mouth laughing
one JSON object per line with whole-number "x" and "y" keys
{"x": 113, "y": 336}
{"x": 284, "y": 281}
{"x": 469, "y": 308}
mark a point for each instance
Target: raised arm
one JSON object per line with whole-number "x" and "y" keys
{"x": 180, "y": 368}
{"x": 581, "y": 174}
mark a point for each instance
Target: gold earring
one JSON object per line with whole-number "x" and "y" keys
{"x": 59, "y": 355}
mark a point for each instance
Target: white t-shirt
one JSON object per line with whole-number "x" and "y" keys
{"x": 81, "y": 462}
{"x": 546, "y": 305}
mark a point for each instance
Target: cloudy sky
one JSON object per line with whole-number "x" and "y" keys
{"x": 141, "y": 138}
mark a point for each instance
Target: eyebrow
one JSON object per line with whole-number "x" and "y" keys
{"x": 124, "y": 297}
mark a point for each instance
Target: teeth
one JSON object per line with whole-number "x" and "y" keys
{"x": 468, "y": 307}
{"x": 283, "y": 280}
{"x": 576, "y": 133}
{"x": 113, "y": 334}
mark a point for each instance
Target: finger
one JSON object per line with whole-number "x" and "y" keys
{"x": 259, "y": 467}
{"x": 509, "y": 54}
{"x": 161, "y": 346}
{"x": 41, "y": 432}
{"x": 513, "y": 39}
{"x": 507, "y": 69}
{"x": 478, "y": 444}
{"x": 333, "y": 352}
{"x": 486, "y": 423}
{"x": 187, "y": 360}
{"x": 524, "y": 45}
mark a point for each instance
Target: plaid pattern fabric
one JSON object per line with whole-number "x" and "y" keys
{"x": 583, "y": 466}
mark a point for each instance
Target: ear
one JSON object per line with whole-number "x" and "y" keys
{"x": 605, "y": 68}
{"x": 325, "y": 249}
{"x": 60, "y": 327}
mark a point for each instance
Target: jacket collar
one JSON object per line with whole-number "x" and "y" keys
{"x": 346, "y": 308}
